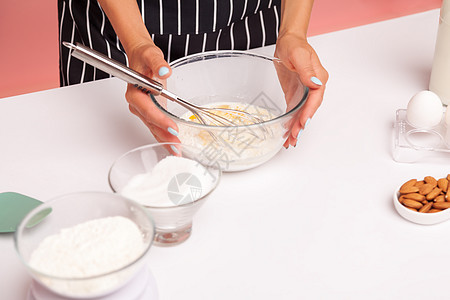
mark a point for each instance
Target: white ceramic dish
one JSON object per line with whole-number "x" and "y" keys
{"x": 417, "y": 217}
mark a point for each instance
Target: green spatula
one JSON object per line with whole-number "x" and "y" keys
{"x": 14, "y": 207}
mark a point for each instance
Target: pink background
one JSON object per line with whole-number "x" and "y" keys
{"x": 29, "y": 35}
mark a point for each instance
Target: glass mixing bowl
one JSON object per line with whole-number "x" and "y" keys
{"x": 259, "y": 84}
{"x": 186, "y": 191}
{"x": 70, "y": 210}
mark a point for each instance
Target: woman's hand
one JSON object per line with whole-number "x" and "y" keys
{"x": 298, "y": 56}
{"x": 145, "y": 58}
{"x": 148, "y": 59}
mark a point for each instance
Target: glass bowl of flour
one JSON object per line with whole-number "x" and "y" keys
{"x": 257, "y": 84}
{"x": 172, "y": 181}
{"x": 89, "y": 245}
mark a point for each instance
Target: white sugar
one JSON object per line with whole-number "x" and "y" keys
{"x": 152, "y": 188}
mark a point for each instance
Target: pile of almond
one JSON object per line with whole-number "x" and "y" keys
{"x": 426, "y": 196}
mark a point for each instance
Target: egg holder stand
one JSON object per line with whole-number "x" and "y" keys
{"x": 142, "y": 286}
{"x": 411, "y": 144}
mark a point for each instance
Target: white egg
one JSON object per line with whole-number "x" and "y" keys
{"x": 424, "y": 110}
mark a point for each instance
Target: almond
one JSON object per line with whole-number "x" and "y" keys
{"x": 426, "y": 189}
{"x": 409, "y": 189}
{"x": 426, "y": 207}
{"x": 431, "y": 180}
{"x": 426, "y": 196}
{"x": 441, "y": 205}
{"x": 415, "y": 196}
{"x": 443, "y": 184}
{"x": 409, "y": 183}
{"x": 439, "y": 198}
{"x": 401, "y": 198}
{"x": 414, "y": 204}
{"x": 419, "y": 183}
{"x": 434, "y": 193}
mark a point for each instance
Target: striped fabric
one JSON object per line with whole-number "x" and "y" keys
{"x": 178, "y": 27}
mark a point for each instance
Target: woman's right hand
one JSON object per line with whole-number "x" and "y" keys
{"x": 144, "y": 57}
{"x": 148, "y": 59}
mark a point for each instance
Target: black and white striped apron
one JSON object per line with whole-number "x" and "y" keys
{"x": 177, "y": 27}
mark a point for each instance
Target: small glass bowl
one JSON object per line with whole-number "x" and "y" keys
{"x": 173, "y": 223}
{"x": 68, "y": 211}
{"x": 249, "y": 79}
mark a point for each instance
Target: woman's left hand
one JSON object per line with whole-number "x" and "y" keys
{"x": 298, "y": 56}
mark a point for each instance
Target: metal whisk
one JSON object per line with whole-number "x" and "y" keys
{"x": 205, "y": 115}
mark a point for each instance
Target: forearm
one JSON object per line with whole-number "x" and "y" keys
{"x": 295, "y": 15}
{"x": 126, "y": 19}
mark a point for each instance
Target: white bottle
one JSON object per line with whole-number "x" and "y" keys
{"x": 440, "y": 72}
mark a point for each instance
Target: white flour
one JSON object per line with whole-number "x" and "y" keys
{"x": 151, "y": 188}
{"x": 88, "y": 249}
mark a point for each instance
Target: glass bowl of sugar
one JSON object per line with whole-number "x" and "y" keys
{"x": 89, "y": 245}
{"x": 240, "y": 80}
{"x": 172, "y": 181}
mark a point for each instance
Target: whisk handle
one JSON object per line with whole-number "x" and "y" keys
{"x": 110, "y": 66}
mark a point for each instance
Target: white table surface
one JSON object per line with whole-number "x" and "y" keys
{"x": 316, "y": 222}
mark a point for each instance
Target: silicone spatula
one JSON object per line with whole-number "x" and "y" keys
{"x": 14, "y": 207}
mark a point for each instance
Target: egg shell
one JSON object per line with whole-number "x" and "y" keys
{"x": 424, "y": 110}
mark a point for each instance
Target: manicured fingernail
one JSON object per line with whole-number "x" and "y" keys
{"x": 306, "y": 123}
{"x": 174, "y": 149}
{"x": 301, "y": 130}
{"x": 163, "y": 71}
{"x": 298, "y": 135}
{"x": 172, "y": 131}
{"x": 316, "y": 80}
